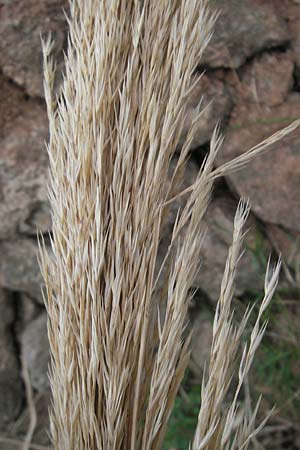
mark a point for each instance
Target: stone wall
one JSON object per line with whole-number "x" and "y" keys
{"x": 252, "y": 74}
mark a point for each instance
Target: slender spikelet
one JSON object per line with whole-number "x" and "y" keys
{"x": 219, "y": 426}
{"x": 116, "y": 364}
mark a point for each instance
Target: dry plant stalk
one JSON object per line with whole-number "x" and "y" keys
{"x": 116, "y": 365}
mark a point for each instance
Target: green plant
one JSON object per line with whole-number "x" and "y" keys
{"x": 278, "y": 363}
{"x": 258, "y": 250}
{"x": 183, "y": 419}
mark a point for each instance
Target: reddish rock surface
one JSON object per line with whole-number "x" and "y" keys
{"x": 11, "y": 393}
{"x": 28, "y": 310}
{"x": 271, "y": 181}
{"x": 35, "y": 350}
{"x": 21, "y": 24}
{"x": 19, "y": 429}
{"x": 268, "y": 79}
{"x": 202, "y": 326}
{"x": 23, "y": 164}
{"x": 215, "y": 103}
{"x": 289, "y": 10}
{"x": 11, "y": 99}
{"x": 19, "y": 269}
{"x": 219, "y": 223}
{"x": 243, "y": 29}
{"x": 286, "y": 243}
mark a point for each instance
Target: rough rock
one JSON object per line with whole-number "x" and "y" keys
{"x": 23, "y": 164}
{"x": 11, "y": 393}
{"x": 12, "y": 99}
{"x": 243, "y": 29}
{"x": 271, "y": 180}
{"x": 286, "y": 242}
{"x": 201, "y": 341}
{"x": 19, "y": 269}
{"x": 28, "y": 310}
{"x": 219, "y": 223}
{"x": 20, "y": 44}
{"x": 19, "y": 429}
{"x": 215, "y": 98}
{"x": 289, "y": 11}
{"x": 268, "y": 79}
{"x": 35, "y": 350}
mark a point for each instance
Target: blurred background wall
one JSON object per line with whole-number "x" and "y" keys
{"x": 251, "y": 86}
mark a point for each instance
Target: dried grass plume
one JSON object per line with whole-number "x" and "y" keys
{"x": 116, "y": 363}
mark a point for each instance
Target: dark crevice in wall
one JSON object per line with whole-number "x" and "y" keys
{"x": 14, "y": 330}
{"x": 15, "y": 298}
{"x": 33, "y": 237}
{"x": 280, "y": 49}
{"x": 222, "y": 189}
{"x": 296, "y": 80}
{"x": 21, "y": 89}
{"x": 221, "y": 185}
{"x": 200, "y": 300}
{"x": 199, "y": 153}
{"x": 12, "y": 82}
{"x": 283, "y": 48}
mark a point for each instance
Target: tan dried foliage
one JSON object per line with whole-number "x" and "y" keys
{"x": 116, "y": 364}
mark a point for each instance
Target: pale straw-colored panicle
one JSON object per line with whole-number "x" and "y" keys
{"x": 221, "y": 424}
{"x": 115, "y": 125}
